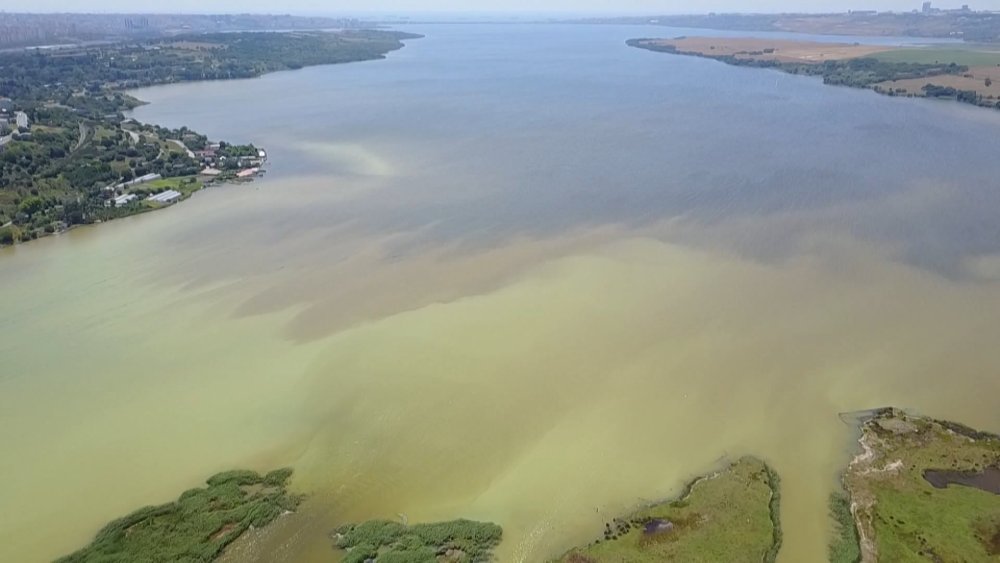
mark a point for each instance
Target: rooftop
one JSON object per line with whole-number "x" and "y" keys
{"x": 166, "y": 196}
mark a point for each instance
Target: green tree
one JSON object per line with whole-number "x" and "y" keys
{"x": 31, "y": 206}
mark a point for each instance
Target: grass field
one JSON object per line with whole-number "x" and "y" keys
{"x": 983, "y": 80}
{"x": 185, "y": 184}
{"x": 102, "y": 133}
{"x": 728, "y": 516}
{"x": 783, "y": 50}
{"x": 936, "y": 55}
{"x": 908, "y": 518}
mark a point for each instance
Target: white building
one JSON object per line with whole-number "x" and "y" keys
{"x": 137, "y": 181}
{"x": 169, "y": 196}
{"x": 22, "y": 119}
{"x": 125, "y": 199}
{"x": 121, "y": 200}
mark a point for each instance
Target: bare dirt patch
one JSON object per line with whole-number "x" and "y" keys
{"x": 993, "y": 547}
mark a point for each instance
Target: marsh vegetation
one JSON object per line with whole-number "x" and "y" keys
{"x": 384, "y": 541}
{"x": 198, "y": 526}
{"x": 729, "y": 515}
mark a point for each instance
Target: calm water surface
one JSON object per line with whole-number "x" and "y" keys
{"x": 516, "y": 273}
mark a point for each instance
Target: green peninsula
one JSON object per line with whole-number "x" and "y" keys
{"x": 69, "y": 156}
{"x": 970, "y": 74}
{"x": 196, "y": 527}
{"x": 730, "y": 515}
{"x": 920, "y": 490}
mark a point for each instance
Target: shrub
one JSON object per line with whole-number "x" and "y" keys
{"x": 7, "y": 236}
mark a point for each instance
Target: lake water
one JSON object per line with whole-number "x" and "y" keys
{"x": 514, "y": 273}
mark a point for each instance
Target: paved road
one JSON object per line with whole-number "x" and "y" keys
{"x": 84, "y": 131}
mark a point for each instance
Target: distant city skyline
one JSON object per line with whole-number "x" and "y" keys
{"x": 399, "y": 7}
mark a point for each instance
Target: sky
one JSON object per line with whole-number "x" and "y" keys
{"x": 362, "y": 7}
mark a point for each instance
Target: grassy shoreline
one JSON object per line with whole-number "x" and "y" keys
{"x": 899, "y": 514}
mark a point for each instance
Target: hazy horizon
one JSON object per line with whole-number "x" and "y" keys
{"x": 492, "y": 7}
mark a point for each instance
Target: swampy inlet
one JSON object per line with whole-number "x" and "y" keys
{"x": 521, "y": 274}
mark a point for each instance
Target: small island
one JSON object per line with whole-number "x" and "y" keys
{"x": 919, "y": 489}
{"x": 965, "y": 74}
{"x": 728, "y": 515}
{"x": 385, "y": 541}
{"x": 69, "y": 155}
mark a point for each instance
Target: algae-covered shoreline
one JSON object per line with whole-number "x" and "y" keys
{"x": 919, "y": 488}
{"x": 199, "y": 525}
{"x": 727, "y": 515}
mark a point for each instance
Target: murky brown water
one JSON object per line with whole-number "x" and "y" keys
{"x": 495, "y": 300}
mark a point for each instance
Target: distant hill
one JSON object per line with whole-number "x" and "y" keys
{"x": 33, "y": 30}
{"x": 958, "y": 24}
